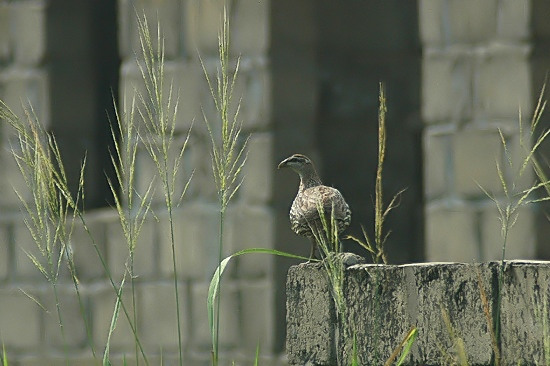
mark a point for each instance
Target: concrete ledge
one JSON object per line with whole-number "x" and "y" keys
{"x": 383, "y": 302}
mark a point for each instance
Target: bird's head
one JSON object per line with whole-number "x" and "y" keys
{"x": 302, "y": 165}
{"x": 296, "y": 162}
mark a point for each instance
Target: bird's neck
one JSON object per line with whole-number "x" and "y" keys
{"x": 309, "y": 178}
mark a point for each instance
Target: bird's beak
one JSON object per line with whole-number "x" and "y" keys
{"x": 282, "y": 164}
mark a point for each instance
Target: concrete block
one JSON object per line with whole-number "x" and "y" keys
{"x": 542, "y": 231}
{"x": 182, "y": 79}
{"x": 57, "y": 359}
{"x": 430, "y": 15}
{"x": 12, "y": 182}
{"x": 16, "y": 310}
{"x": 250, "y": 27}
{"x": 208, "y": 105}
{"x": 252, "y": 227}
{"x": 437, "y": 163}
{"x": 196, "y": 232}
{"x": 5, "y": 251}
{"x": 166, "y": 13}
{"x": 23, "y": 88}
{"x": 129, "y": 358}
{"x": 23, "y": 244}
{"x": 378, "y": 308}
{"x": 520, "y": 180}
{"x": 86, "y": 259}
{"x": 73, "y": 322}
{"x": 524, "y": 314}
{"x": 382, "y": 303}
{"x": 103, "y": 306}
{"x": 258, "y": 317}
{"x": 5, "y": 46}
{"x": 513, "y": 20}
{"x": 188, "y": 79}
{"x": 252, "y": 90}
{"x": 28, "y": 22}
{"x": 451, "y": 234}
{"x": 145, "y": 262}
{"x": 503, "y": 83}
{"x": 157, "y": 311}
{"x": 131, "y": 85}
{"x": 249, "y": 359}
{"x": 472, "y": 21}
{"x": 203, "y": 185}
{"x": 124, "y": 29}
{"x": 521, "y": 240}
{"x": 539, "y": 26}
{"x": 451, "y": 289}
{"x": 310, "y": 319}
{"x": 230, "y": 328}
{"x": 475, "y": 155}
{"x": 258, "y": 170}
{"x": 447, "y": 87}
{"x": 147, "y": 175}
{"x": 202, "y": 23}
{"x": 255, "y": 84}
{"x": 147, "y": 171}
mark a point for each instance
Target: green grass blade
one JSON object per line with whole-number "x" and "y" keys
{"x": 112, "y": 327}
{"x": 4, "y": 356}
{"x": 354, "y": 356}
{"x": 216, "y": 278}
{"x": 257, "y": 357}
{"x": 409, "y": 341}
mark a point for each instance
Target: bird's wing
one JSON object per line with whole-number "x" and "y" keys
{"x": 329, "y": 197}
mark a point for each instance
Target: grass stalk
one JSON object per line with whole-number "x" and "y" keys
{"x": 4, "y": 356}
{"x": 159, "y": 112}
{"x": 460, "y": 357}
{"x": 376, "y": 246}
{"x": 47, "y": 211}
{"x": 41, "y": 166}
{"x": 515, "y": 196}
{"x": 489, "y": 318}
{"x": 228, "y": 152}
{"x": 132, "y": 211}
{"x": 52, "y": 199}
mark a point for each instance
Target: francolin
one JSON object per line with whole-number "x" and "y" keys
{"x": 312, "y": 198}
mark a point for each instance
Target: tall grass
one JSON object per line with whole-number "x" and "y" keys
{"x": 327, "y": 239}
{"x": 4, "y": 356}
{"x": 228, "y": 152}
{"x": 376, "y": 245}
{"x": 52, "y": 211}
{"x": 158, "y": 112}
{"x": 515, "y": 196}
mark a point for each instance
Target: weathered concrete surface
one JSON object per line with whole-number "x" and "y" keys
{"x": 525, "y": 317}
{"x": 376, "y": 311}
{"x": 311, "y": 316}
{"x": 443, "y": 301}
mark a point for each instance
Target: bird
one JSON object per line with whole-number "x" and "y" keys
{"x": 312, "y": 199}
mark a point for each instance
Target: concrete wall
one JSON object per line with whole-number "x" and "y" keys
{"x": 476, "y": 75}
{"x": 31, "y": 334}
{"x": 442, "y": 300}
{"x": 455, "y": 71}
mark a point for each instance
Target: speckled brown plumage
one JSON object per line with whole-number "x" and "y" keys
{"x": 304, "y": 212}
